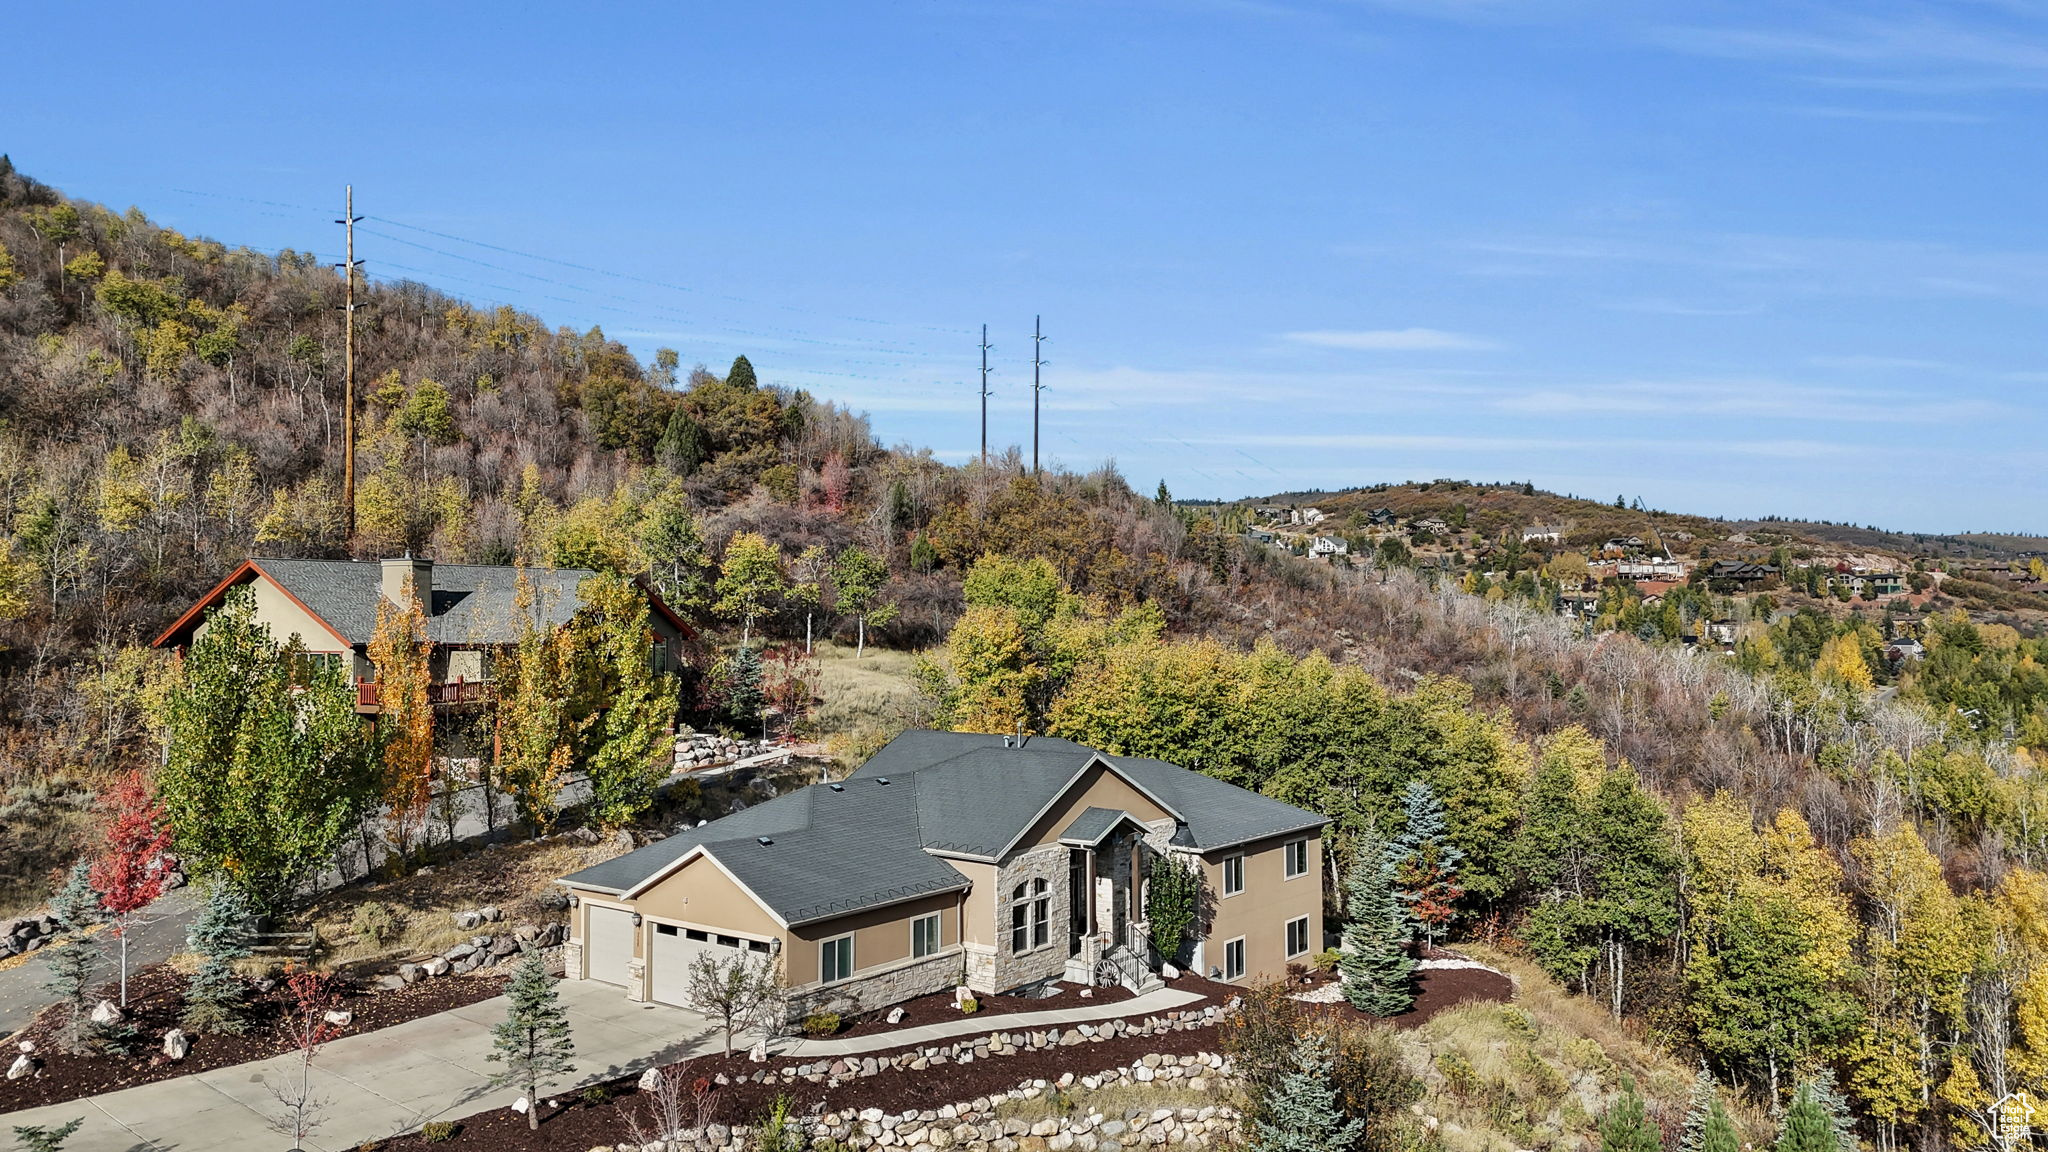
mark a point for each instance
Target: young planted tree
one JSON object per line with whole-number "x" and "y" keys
{"x": 220, "y": 935}
{"x": 638, "y": 703}
{"x": 307, "y": 1028}
{"x": 748, "y": 581}
{"x": 1626, "y": 1127}
{"x": 131, "y": 872}
{"x": 1806, "y": 1126}
{"x": 1172, "y": 904}
{"x": 1301, "y": 1113}
{"x": 674, "y": 548}
{"x": 858, "y": 577}
{"x": 738, "y": 991}
{"x": 533, "y": 1043}
{"x": 403, "y": 654}
{"x": 790, "y": 685}
{"x": 267, "y": 766}
{"x": 75, "y": 962}
{"x": 1378, "y": 973}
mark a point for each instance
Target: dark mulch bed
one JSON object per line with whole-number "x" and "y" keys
{"x": 1436, "y": 990}
{"x": 938, "y": 1008}
{"x": 156, "y": 998}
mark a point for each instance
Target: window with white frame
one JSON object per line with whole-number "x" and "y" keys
{"x": 1233, "y": 875}
{"x": 924, "y": 936}
{"x": 835, "y": 959}
{"x": 1233, "y": 959}
{"x": 1030, "y": 915}
{"x": 1297, "y": 937}
{"x": 1297, "y": 859}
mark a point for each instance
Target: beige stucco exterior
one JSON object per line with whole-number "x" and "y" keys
{"x": 1259, "y": 914}
{"x": 1098, "y": 787}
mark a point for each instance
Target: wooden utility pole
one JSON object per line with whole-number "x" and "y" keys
{"x": 984, "y": 395}
{"x": 1037, "y": 362}
{"x": 348, "y": 370}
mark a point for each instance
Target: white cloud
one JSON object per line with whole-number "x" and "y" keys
{"x": 1390, "y": 340}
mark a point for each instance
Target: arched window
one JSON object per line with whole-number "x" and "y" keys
{"x": 1030, "y": 915}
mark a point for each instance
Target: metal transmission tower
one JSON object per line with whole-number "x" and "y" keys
{"x": 348, "y": 368}
{"x": 1037, "y": 362}
{"x": 985, "y": 346}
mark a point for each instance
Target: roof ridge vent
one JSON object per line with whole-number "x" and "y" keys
{"x": 763, "y": 841}
{"x": 882, "y": 780}
{"x": 836, "y": 787}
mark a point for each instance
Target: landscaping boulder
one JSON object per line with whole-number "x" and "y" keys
{"x": 490, "y": 914}
{"x": 22, "y": 1066}
{"x": 759, "y": 1052}
{"x": 504, "y": 946}
{"x": 525, "y": 932}
{"x": 896, "y": 1015}
{"x": 467, "y": 964}
{"x": 650, "y": 1080}
{"x": 1169, "y": 972}
{"x": 339, "y": 1017}
{"x": 467, "y": 920}
{"x": 106, "y": 1012}
{"x": 390, "y": 982}
{"x": 176, "y": 1045}
{"x": 410, "y": 973}
{"x": 460, "y": 950}
{"x": 436, "y": 966}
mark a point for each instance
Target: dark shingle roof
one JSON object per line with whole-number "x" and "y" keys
{"x": 471, "y": 604}
{"x": 865, "y": 843}
{"x": 1091, "y": 826}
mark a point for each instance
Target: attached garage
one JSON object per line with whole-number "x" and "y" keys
{"x": 675, "y": 948}
{"x": 608, "y": 944}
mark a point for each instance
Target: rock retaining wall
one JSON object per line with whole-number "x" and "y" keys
{"x": 479, "y": 952}
{"x": 704, "y": 750}
{"x": 979, "y": 1125}
{"x": 836, "y": 1070}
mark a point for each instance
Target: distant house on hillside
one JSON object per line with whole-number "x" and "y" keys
{"x": 1543, "y": 534}
{"x": 1740, "y": 572}
{"x": 1380, "y": 517}
{"x": 1652, "y": 569}
{"x": 1327, "y": 546}
{"x": 1623, "y": 544}
{"x": 331, "y": 606}
{"x": 1306, "y": 517}
{"x": 1431, "y": 525}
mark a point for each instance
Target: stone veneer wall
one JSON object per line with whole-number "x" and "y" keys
{"x": 1007, "y": 969}
{"x": 895, "y": 983}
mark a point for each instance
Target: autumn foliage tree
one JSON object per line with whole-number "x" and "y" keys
{"x": 403, "y": 652}
{"x": 131, "y": 872}
{"x": 534, "y": 721}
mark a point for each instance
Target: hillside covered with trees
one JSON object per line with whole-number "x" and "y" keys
{"x": 1787, "y": 862}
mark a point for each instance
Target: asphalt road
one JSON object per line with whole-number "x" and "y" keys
{"x": 160, "y": 936}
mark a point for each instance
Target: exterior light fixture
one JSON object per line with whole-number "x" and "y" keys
{"x": 636, "y": 919}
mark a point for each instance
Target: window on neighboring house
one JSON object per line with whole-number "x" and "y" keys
{"x": 1233, "y": 875}
{"x": 1030, "y": 915}
{"x": 835, "y": 960}
{"x": 1233, "y": 959}
{"x": 1297, "y": 937}
{"x": 1297, "y": 859}
{"x": 924, "y": 936}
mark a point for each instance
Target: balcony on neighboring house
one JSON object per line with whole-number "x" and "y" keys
{"x": 452, "y": 692}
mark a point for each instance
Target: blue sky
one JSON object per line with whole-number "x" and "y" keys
{"x": 1736, "y": 259}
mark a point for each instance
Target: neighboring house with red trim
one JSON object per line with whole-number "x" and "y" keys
{"x": 955, "y": 858}
{"x": 472, "y": 614}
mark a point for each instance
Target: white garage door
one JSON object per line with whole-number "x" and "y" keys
{"x": 675, "y": 948}
{"x": 608, "y": 944}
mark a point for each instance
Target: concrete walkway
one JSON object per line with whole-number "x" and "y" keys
{"x": 377, "y": 1084}
{"x": 1148, "y": 1004}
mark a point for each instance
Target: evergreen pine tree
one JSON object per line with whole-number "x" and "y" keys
{"x": 220, "y": 935}
{"x": 1806, "y": 1126}
{"x": 1425, "y": 826}
{"x": 533, "y": 1043}
{"x": 683, "y": 446}
{"x": 742, "y": 374}
{"x": 1699, "y": 1111}
{"x": 1626, "y": 1127}
{"x": 743, "y": 687}
{"x": 1379, "y": 976}
{"x": 1426, "y": 862}
{"x": 1831, "y": 1101}
{"x": 44, "y": 1137}
{"x": 76, "y": 961}
{"x": 1302, "y": 1114}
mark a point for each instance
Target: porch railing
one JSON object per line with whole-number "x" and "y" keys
{"x": 457, "y": 691}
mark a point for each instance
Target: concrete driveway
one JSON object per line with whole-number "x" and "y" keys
{"x": 378, "y": 1084}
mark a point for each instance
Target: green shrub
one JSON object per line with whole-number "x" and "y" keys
{"x": 1459, "y": 1075}
{"x": 970, "y": 1005}
{"x": 439, "y": 1131}
{"x": 596, "y": 1094}
{"x": 373, "y": 923}
{"x": 822, "y": 1023}
{"x": 1328, "y": 959}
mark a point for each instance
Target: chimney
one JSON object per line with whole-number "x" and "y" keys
{"x": 394, "y": 574}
